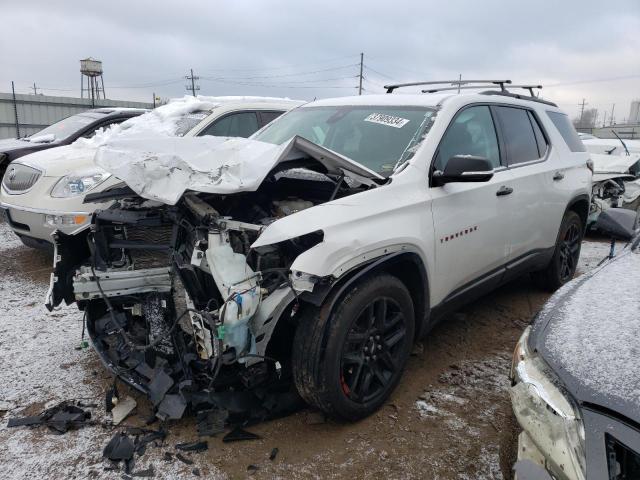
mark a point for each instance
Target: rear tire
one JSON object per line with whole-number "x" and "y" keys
{"x": 346, "y": 362}
{"x": 564, "y": 262}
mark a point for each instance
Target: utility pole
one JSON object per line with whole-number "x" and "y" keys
{"x": 35, "y": 89}
{"x": 15, "y": 109}
{"x": 361, "y": 67}
{"x": 459, "y": 80}
{"x": 193, "y": 87}
{"x": 154, "y": 99}
{"x": 613, "y": 107}
{"x": 582, "y": 110}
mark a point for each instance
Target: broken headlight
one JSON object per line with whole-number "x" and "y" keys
{"x": 79, "y": 184}
{"x": 549, "y": 416}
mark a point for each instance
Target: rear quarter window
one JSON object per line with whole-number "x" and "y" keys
{"x": 569, "y": 134}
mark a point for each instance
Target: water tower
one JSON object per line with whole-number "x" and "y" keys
{"x": 91, "y": 69}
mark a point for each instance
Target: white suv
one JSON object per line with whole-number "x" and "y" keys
{"x": 44, "y": 191}
{"x": 325, "y": 244}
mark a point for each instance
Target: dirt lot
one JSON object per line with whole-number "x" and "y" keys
{"x": 450, "y": 418}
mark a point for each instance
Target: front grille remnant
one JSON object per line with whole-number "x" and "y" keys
{"x": 20, "y": 178}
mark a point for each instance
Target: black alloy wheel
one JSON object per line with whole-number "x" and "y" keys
{"x": 373, "y": 350}
{"x": 566, "y": 254}
{"x": 570, "y": 252}
{"x": 349, "y": 354}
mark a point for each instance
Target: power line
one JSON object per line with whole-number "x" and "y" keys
{"x": 284, "y": 67}
{"x": 384, "y": 75}
{"x": 296, "y": 74}
{"x": 273, "y": 85}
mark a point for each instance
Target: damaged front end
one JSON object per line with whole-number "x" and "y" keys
{"x": 180, "y": 306}
{"x": 616, "y": 184}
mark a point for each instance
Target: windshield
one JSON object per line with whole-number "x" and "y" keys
{"x": 377, "y": 137}
{"x": 70, "y": 125}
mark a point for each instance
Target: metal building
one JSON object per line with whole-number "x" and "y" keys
{"x": 38, "y": 111}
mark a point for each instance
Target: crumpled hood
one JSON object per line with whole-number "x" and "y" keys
{"x": 163, "y": 169}
{"x": 588, "y": 334}
{"x": 9, "y": 144}
{"x": 61, "y": 161}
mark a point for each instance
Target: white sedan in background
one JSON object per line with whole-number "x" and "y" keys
{"x": 45, "y": 191}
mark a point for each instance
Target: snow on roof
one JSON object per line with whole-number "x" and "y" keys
{"x": 594, "y": 333}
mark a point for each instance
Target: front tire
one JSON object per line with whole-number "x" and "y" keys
{"x": 346, "y": 362}
{"x": 564, "y": 262}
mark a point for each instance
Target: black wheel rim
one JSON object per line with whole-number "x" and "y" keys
{"x": 373, "y": 350}
{"x": 569, "y": 252}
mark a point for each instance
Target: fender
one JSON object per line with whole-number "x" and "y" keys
{"x": 583, "y": 197}
{"x": 335, "y": 290}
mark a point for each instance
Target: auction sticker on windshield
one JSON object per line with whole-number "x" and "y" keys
{"x": 389, "y": 120}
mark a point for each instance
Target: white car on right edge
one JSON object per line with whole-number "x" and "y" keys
{"x": 320, "y": 248}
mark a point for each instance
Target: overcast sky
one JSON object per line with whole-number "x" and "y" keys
{"x": 306, "y": 49}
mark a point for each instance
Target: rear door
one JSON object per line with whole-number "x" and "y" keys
{"x": 538, "y": 203}
{"x": 471, "y": 220}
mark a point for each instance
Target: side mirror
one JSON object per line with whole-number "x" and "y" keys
{"x": 619, "y": 223}
{"x": 464, "y": 168}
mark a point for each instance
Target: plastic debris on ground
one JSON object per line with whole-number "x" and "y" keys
{"x": 60, "y": 418}
{"x": 238, "y": 434}
{"x": 273, "y": 454}
{"x": 193, "y": 446}
{"x": 122, "y": 409}
{"x": 184, "y": 459}
{"x": 123, "y": 448}
{"x": 120, "y": 448}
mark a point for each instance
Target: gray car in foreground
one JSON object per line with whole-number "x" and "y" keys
{"x": 576, "y": 372}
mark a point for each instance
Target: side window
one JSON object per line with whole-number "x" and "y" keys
{"x": 105, "y": 125}
{"x": 470, "y": 133}
{"x": 241, "y": 124}
{"x": 562, "y": 123}
{"x": 540, "y": 138}
{"x": 519, "y": 139}
{"x": 268, "y": 117}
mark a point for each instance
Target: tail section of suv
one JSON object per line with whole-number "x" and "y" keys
{"x": 338, "y": 235}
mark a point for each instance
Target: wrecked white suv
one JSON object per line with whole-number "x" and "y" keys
{"x": 236, "y": 274}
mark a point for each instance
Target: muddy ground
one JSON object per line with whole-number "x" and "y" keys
{"x": 450, "y": 417}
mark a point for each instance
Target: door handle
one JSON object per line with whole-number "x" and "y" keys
{"x": 558, "y": 175}
{"x": 504, "y": 191}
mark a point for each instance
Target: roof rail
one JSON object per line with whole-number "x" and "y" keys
{"x": 518, "y": 96}
{"x": 391, "y": 88}
{"x": 527, "y": 87}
